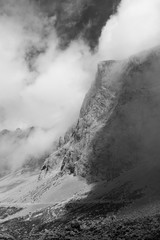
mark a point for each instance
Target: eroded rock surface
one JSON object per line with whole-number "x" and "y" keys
{"x": 118, "y": 125}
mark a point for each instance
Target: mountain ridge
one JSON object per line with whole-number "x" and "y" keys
{"x": 111, "y": 157}
{"x": 115, "y": 87}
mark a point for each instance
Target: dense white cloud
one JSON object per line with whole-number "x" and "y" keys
{"x": 134, "y": 28}
{"x": 40, "y": 85}
{"x": 53, "y": 92}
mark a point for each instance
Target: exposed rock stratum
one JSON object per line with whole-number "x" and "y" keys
{"x": 119, "y": 122}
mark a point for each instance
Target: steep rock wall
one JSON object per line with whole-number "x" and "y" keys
{"x": 119, "y": 122}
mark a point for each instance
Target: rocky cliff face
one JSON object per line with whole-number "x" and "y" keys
{"x": 119, "y": 122}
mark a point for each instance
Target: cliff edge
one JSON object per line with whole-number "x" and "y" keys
{"x": 119, "y": 122}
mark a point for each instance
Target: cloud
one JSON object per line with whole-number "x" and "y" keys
{"x": 136, "y": 27}
{"x": 20, "y": 146}
{"x": 40, "y": 84}
{"x": 53, "y": 89}
{"x": 44, "y": 86}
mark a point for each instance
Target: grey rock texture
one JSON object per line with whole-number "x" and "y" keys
{"x": 119, "y": 122}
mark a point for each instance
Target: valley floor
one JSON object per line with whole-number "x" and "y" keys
{"x": 66, "y": 207}
{"x": 80, "y": 221}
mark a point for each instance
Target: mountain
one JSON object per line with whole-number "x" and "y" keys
{"x": 118, "y": 123}
{"x": 102, "y": 181}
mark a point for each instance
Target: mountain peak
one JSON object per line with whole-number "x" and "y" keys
{"x": 111, "y": 132}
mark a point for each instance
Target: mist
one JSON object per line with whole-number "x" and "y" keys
{"x": 39, "y": 82}
{"x": 135, "y": 28}
{"x": 42, "y": 85}
{"x": 24, "y": 148}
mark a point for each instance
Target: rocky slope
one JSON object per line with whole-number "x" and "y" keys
{"x": 115, "y": 145}
{"x": 118, "y": 126}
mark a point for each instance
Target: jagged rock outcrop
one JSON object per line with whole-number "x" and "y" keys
{"x": 119, "y": 122}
